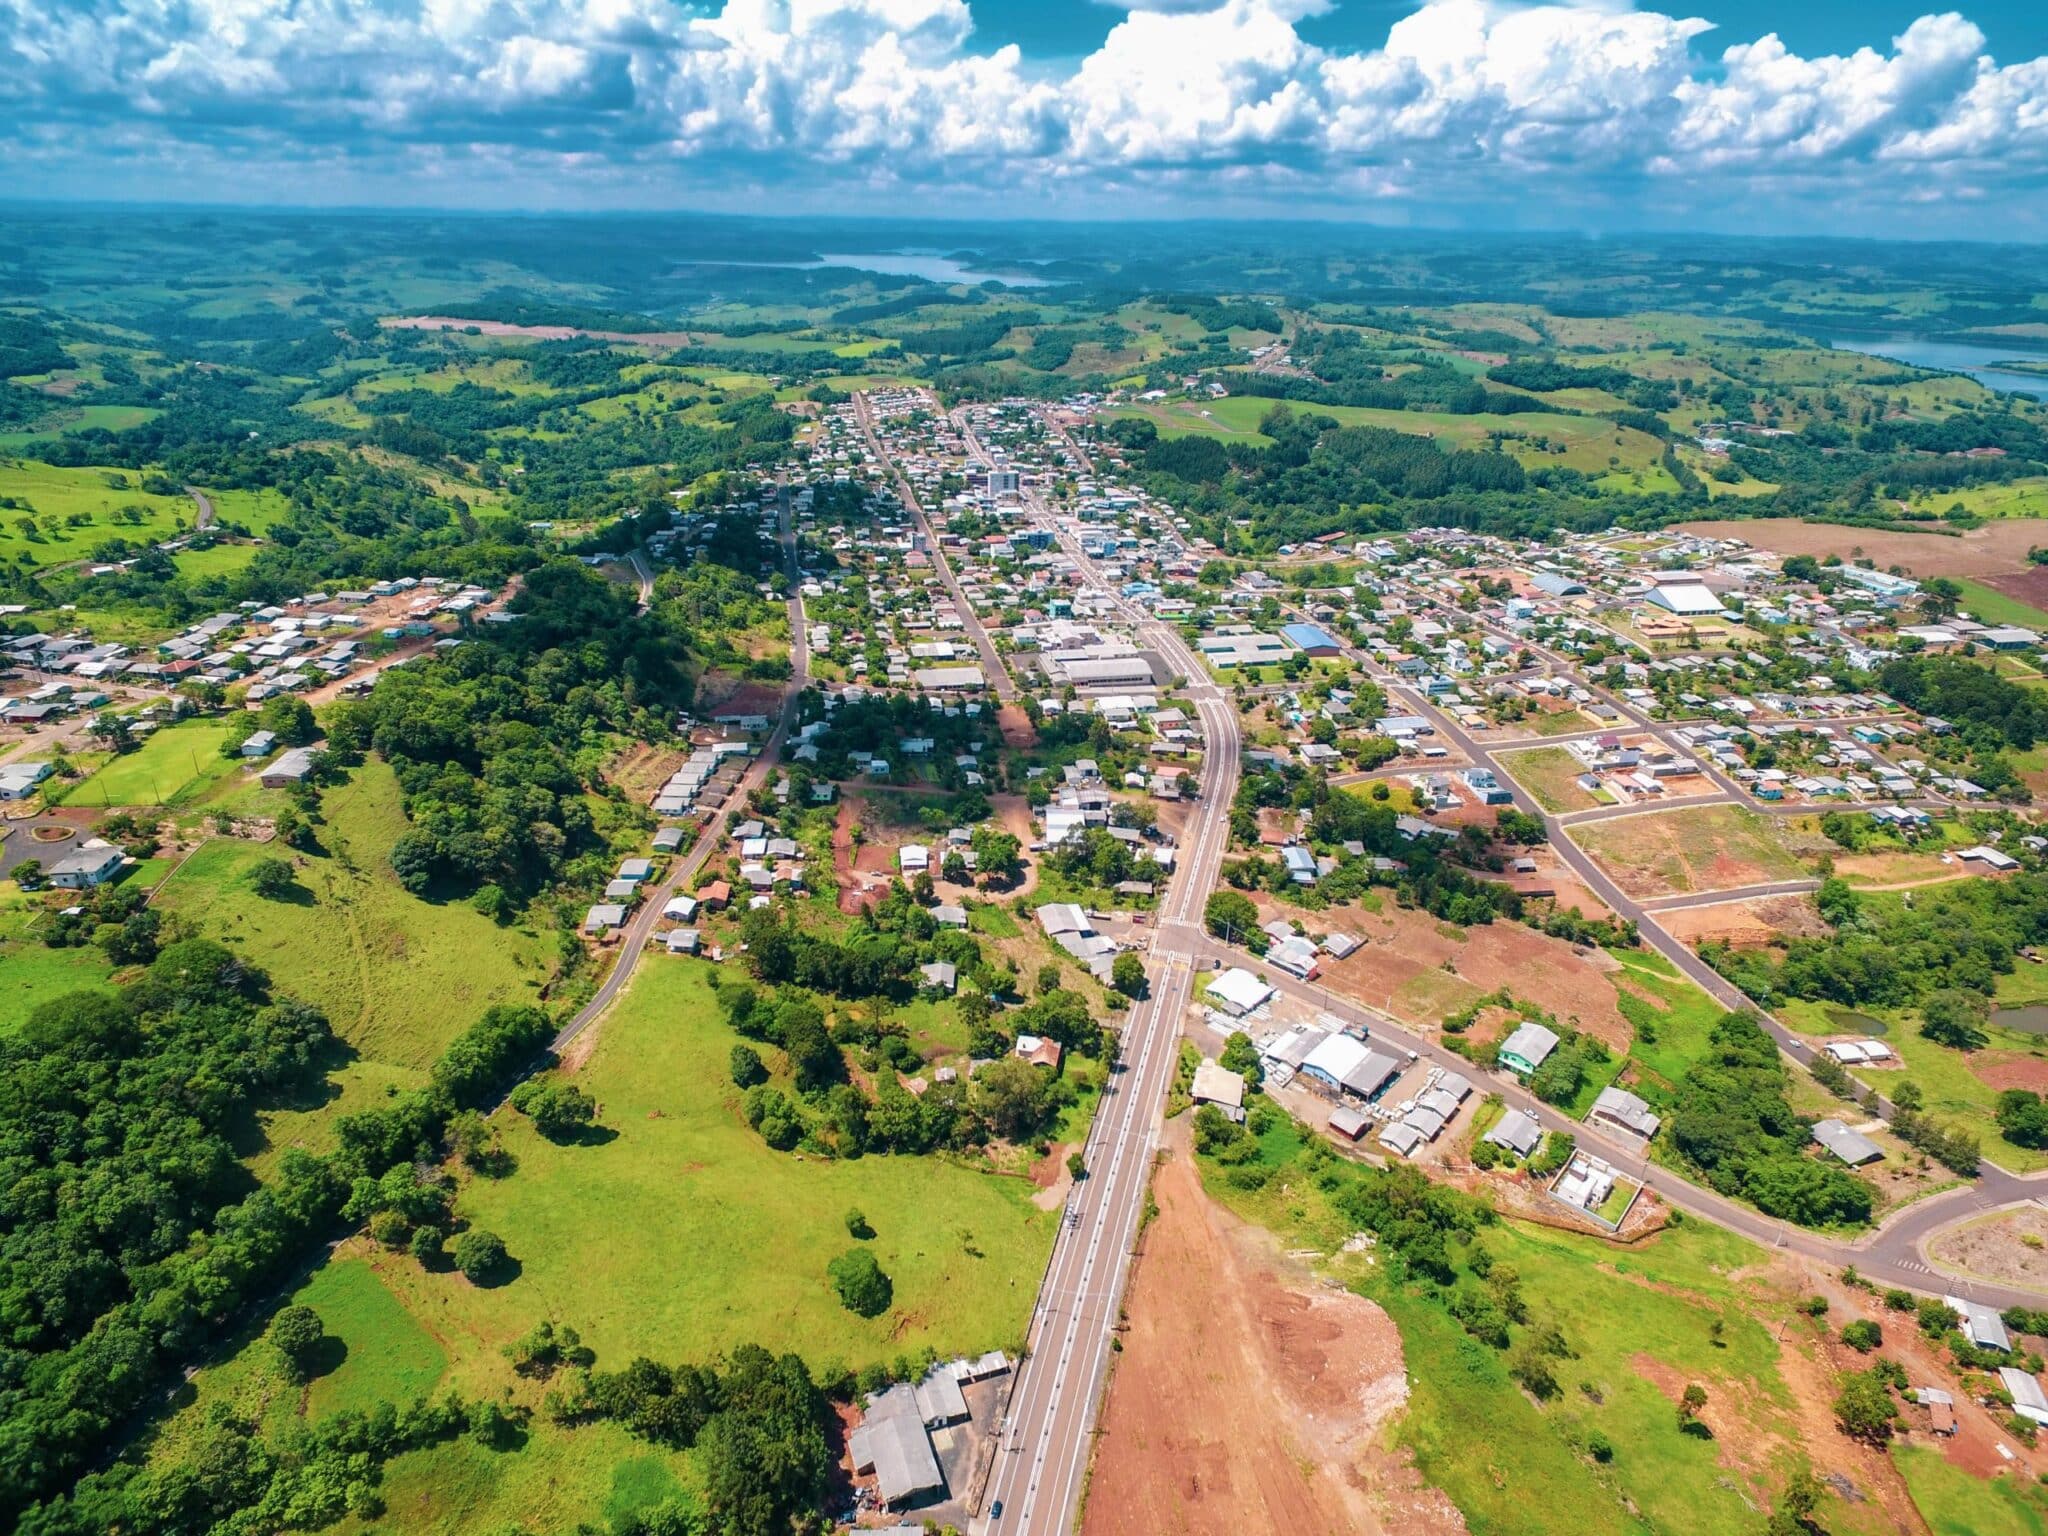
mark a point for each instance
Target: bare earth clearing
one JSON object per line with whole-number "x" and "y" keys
{"x": 530, "y": 332}
{"x": 1996, "y": 548}
{"x": 1246, "y": 1399}
{"x": 2011, "y": 1246}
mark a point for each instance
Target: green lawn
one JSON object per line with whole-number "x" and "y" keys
{"x": 174, "y": 767}
{"x": 1671, "y": 1023}
{"x": 398, "y": 976}
{"x": 220, "y": 560}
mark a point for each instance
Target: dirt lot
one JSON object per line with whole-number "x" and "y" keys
{"x": 1248, "y": 1398}
{"x": 1994, "y": 549}
{"x": 1401, "y": 968}
{"x": 1708, "y": 848}
{"x": 2009, "y": 1246}
{"x": 1744, "y": 924}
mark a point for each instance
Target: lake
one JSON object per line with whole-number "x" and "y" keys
{"x": 929, "y": 265}
{"x": 2028, "y": 1018}
{"x": 1950, "y": 357}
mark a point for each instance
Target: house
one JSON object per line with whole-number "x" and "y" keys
{"x": 95, "y": 863}
{"x": 949, "y": 916}
{"x": 604, "y": 917}
{"x": 715, "y": 897}
{"x": 1850, "y": 1146}
{"x": 1294, "y": 955}
{"x": 1527, "y": 1048}
{"x": 1348, "y": 1122}
{"x": 2028, "y": 1401}
{"x": 684, "y": 941}
{"x": 1981, "y": 1325}
{"x": 1619, "y": 1110}
{"x": 668, "y": 840}
{"x": 1401, "y": 1138}
{"x": 1220, "y": 1086}
{"x": 1517, "y": 1131}
{"x": 261, "y": 744}
{"x": 1941, "y": 1409}
{"x": 290, "y": 768}
{"x": 1037, "y": 1050}
{"x": 1345, "y": 1064}
{"x": 914, "y": 859}
{"x": 680, "y": 908}
{"x": 1236, "y": 991}
{"x": 891, "y": 1442}
{"x": 19, "y": 780}
{"x": 939, "y": 975}
{"x": 633, "y": 871}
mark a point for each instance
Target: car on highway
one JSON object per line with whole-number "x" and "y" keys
{"x": 995, "y": 1510}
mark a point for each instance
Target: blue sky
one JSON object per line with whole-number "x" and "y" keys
{"x": 1880, "y": 118}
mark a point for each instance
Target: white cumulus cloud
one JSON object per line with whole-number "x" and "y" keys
{"x": 1465, "y": 103}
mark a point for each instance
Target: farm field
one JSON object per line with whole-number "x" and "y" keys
{"x": 1996, "y": 548}
{"x": 397, "y": 976}
{"x": 1675, "y": 852}
{"x": 174, "y": 767}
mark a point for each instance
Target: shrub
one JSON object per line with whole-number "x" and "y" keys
{"x": 1863, "y": 1336}
{"x": 480, "y": 1255}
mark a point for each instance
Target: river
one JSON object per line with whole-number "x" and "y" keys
{"x": 1950, "y": 357}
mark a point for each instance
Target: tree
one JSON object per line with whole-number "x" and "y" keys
{"x": 297, "y": 1336}
{"x": 290, "y": 719}
{"x": 1690, "y": 1402}
{"x": 1956, "y": 1018}
{"x": 1864, "y": 1408}
{"x": 746, "y": 1067}
{"x": 997, "y": 854}
{"x": 1077, "y": 1165}
{"x": 480, "y": 1255}
{"x": 1016, "y": 1097}
{"x": 1127, "y": 974}
{"x": 1048, "y": 977}
{"x": 863, "y": 1288}
{"x": 559, "y": 1111}
{"x": 1862, "y": 1335}
{"x": 272, "y": 879}
{"x": 857, "y": 1224}
{"x": 1230, "y": 915}
{"x": 1241, "y": 1055}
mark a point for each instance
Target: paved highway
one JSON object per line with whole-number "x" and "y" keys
{"x": 1047, "y": 1437}
{"x": 633, "y": 940}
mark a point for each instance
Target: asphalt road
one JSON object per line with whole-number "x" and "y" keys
{"x": 1047, "y": 1437}
{"x": 992, "y": 666}
{"x": 633, "y": 939}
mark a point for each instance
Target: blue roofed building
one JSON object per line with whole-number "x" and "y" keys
{"x": 1312, "y": 639}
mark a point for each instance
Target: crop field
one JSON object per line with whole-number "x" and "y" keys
{"x": 1674, "y": 852}
{"x": 176, "y": 766}
{"x": 398, "y": 976}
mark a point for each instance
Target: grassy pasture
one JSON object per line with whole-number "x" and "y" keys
{"x": 52, "y": 496}
{"x": 176, "y": 766}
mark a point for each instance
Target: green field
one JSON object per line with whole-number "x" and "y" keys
{"x": 76, "y": 510}
{"x": 31, "y": 972}
{"x": 1993, "y": 607}
{"x": 398, "y": 976}
{"x": 687, "y": 1234}
{"x": 1957, "y": 1504}
{"x": 1639, "y": 1324}
{"x": 176, "y": 766}
{"x": 1551, "y": 775}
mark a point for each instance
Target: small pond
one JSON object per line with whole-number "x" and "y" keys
{"x": 1862, "y": 1023}
{"x": 2027, "y": 1018}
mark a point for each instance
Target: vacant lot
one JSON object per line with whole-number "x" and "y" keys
{"x": 1274, "y": 1423}
{"x": 2007, "y": 1246}
{"x": 174, "y": 767}
{"x": 1707, "y": 848}
{"x": 398, "y": 976}
{"x": 1420, "y": 969}
{"x": 31, "y": 973}
{"x": 1551, "y": 774}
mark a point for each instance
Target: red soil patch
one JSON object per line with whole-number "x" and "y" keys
{"x": 2030, "y": 586}
{"x": 2011, "y": 1069}
{"x": 1016, "y": 726}
{"x": 662, "y": 339}
{"x": 1744, "y": 924}
{"x": 1994, "y": 549}
{"x": 1246, "y": 1399}
{"x": 1402, "y": 944}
